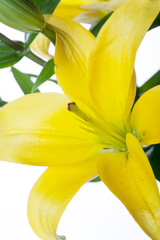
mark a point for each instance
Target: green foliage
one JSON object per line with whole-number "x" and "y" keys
{"x": 23, "y": 80}
{"x": 152, "y": 82}
{"x": 153, "y": 154}
{"x": 29, "y": 37}
{"x": 8, "y": 56}
{"x": 156, "y": 22}
{"x": 2, "y": 103}
{"x": 47, "y": 6}
{"x": 46, "y": 73}
{"x": 97, "y": 179}
{"x": 95, "y": 28}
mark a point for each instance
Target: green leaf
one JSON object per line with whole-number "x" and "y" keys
{"x": 47, "y": 6}
{"x": 95, "y": 28}
{"x": 36, "y": 76}
{"x": 23, "y": 80}
{"x": 29, "y": 37}
{"x": 97, "y": 179}
{"x": 46, "y": 73}
{"x": 8, "y": 56}
{"x": 2, "y": 103}
{"x": 156, "y": 22}
{"x": 152, "y": 82}
{"x": 153, "y": 154}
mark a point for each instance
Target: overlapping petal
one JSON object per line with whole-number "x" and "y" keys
{"x": 87, "y": 11}
{"x": 109, "y": 5}
{"x": 73, "y": 45}
{"x": 39, "y": 130}
{"x": 41, "y": 46}
{"x": 72, "y": 9}
{"x": 145, "y": 117}
{"x": 53, "y": 191}
{"x": 68, "y": 10}
{"x": 129, "y": 176}
{"x": 112, "y": 60}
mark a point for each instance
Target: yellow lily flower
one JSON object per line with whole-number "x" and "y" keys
{"x": 85, "y": 11}
{"x": 98, "y": 134}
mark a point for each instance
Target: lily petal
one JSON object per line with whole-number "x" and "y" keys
{"x": 73, "y": 45}
{"x": 109, "y": 5}
{"x": 39, "y": 130}
{"x": 68, "y": 10}
{"x": 112, "y": 60}
{"x": 77, "y": 2}
{"x": 90, "y": 16}
{"x": 87, "y": 11}
{"x": 130, "y": 178}
{"x": 52, "y": 192}
{"x": 41, "y": 46}
{"x": 145, "y": 117}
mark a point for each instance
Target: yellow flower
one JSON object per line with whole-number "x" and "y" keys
{"x": 97, "y": 134}
{"x": 86, "y": 11}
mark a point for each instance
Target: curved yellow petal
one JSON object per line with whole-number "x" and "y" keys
{"x": 129, "y": 176}
{"x": 86, "y": 11}
{"x": 145, "y": 117}
{"x": 90, "y": 16}
{"x": 39, "y": 130}
{"x": 41, "y": 46}
{"x": 73, "y": 45}
{"x": 52, "y": 192}
{"x": 111, "y": 61}
{"x": 70, "y": 11}
{"x": 77, "y": 2}
{"x": 109, "y": 5}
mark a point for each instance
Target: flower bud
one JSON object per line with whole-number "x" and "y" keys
{"x": 22, "y": 15}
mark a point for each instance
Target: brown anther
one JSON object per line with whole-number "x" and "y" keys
{"x": 70, "y": 106}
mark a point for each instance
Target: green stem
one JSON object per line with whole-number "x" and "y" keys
{"x": 17, "y": 47}
{"x": 11, "y": 43}
{"x": 50, "y": 33}
{"x": 34, "y": 58}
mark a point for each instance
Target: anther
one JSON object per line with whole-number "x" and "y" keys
{"x": 72, "y": 107}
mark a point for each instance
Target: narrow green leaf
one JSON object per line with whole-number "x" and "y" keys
{"x": 8, "y": 56}
{"x": 23, "y": 80}
{"x": 29, "y": 37}
{"x": 95, "y": 28}
{"x": 152, "y": 82}
{"x": 47, "y": 6}
{"x": 153, "y": 154}
{"x": 36, "y": 76}
{"x": 2, "y": 103}
{"x": 46, "y": 73}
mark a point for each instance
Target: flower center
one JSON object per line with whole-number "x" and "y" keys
{"x": 108, "y": 135}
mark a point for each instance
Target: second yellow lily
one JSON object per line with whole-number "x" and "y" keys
{"x": 87, "y": 11}
{"x": 90, "y": 130}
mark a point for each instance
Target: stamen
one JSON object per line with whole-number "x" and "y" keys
{"x": 72, "y": 107}
{"x": 92, "y": 126}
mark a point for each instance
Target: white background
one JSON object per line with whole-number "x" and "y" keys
{"x": 94, "y": 213}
